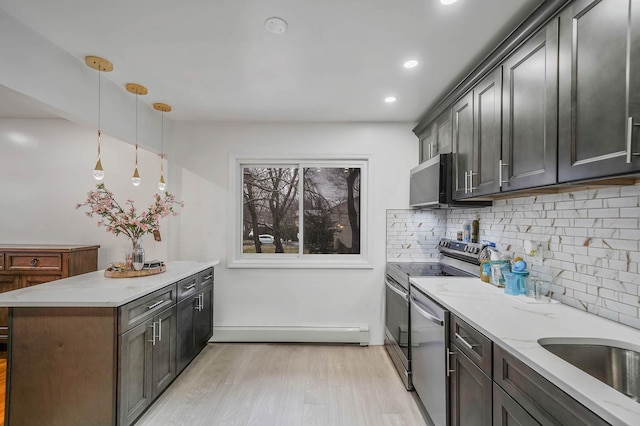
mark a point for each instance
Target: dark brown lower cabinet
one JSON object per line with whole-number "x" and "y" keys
{"x": 470, "y": 392}
{"x": 195, "y": 325}
{"x": 507, "y": 412}
{"x": 544, "y": 401}
{"x": 147, "y": 363}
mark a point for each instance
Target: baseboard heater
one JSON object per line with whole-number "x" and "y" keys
{"x": 358, "y": 335}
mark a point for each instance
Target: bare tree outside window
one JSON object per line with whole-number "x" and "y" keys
{"x": 270, "y": 213}
{"x": 332, "y": 210}
{"x": 330, "y": 204}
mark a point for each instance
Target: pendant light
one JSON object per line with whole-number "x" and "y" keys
{"x": 162, "y": 185}
{"x": 138, "y": 90}
{"x": 101, "y": 65}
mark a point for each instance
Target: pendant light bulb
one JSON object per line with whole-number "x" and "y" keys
{"x": 162, "y": 184}
{"x": 135, "y": 180}
{"x": 98, "y": 172}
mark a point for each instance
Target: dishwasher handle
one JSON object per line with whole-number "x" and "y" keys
{"x": 424, "y": 313}
{"x": 394, "y": 287}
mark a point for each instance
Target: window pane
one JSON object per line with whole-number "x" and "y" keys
{"x": 270, "y": 210}
{"x": 332, "y": 210}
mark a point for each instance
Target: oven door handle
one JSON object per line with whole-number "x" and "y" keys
{"x": 396, "y": 290}
{"x": 424, "y": 313}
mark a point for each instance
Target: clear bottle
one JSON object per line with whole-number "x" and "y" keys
{"x": 466, "y": 232}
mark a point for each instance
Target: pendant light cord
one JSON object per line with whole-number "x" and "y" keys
{"x": 136, "y": 130}
{"x": 162, "y": 145}
{"x": 99, "y": 102}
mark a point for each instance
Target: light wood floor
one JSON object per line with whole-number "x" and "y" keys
{"x": 288, "y": 385}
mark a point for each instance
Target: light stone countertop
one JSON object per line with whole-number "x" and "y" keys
{"x": 516, "y": 326}
{"x": 95, "y": 290}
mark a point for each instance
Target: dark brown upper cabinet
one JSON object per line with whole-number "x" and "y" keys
{"x": 462, "y": 112}
{"x": 599, "y": 73}
{"x": 487, "y": 97}
{"x": 530, "y": 112}
{"x": 436, "y": 139}
{"x": 476, "y": 139}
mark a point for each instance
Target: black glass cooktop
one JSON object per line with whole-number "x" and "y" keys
{"x": 419, "y": 269}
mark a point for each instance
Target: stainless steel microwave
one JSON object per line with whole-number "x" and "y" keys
{"x": 431, "y": 185}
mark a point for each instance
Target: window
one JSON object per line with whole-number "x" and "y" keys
{"x": 300, "y": 213}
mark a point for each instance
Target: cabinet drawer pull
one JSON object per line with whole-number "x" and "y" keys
{"x": 34, "y": 262}
{"x": 155, "y": 304}
{"x": 208, "y": 277}
{"x": 190, "y": 286}
{"x": 464, "y": 342}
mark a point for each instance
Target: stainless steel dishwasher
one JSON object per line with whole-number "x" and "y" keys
{"x": 429, "y": 322}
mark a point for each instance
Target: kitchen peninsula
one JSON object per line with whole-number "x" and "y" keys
{"x": 96, "y": 350}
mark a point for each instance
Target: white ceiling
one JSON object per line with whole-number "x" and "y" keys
{"x": 213, "y": 60}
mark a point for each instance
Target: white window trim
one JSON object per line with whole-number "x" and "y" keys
{"x": 237, "y": 259}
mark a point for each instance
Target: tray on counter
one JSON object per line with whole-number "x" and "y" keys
{"x": 111, "y": 273}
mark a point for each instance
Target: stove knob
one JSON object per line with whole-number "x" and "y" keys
{"x": 476, "y": 250}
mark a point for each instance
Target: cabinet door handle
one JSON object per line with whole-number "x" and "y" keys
{"x": 466, "y": 182}
{"x": 34, "y": 262}
{"x": 449, "y": 370}
{"x": 200, "y": 302}
{"x": 430, "y": 150}
{"x": 208, "y": 277}
{"x": 501, "y": 165}
{"x": 155, "y": 304}
{"x": 464, "y": 342}
{"x": 471, "y": 175}
{"x": 190, "y": 286}
{"x": 630, "y": 126}
{"x": 153, "y": 333}
{"x": 159, "y": 329}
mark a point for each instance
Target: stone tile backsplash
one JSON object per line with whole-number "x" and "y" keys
{"x": 590, "y": 241}
{"x": 412, "y": 235}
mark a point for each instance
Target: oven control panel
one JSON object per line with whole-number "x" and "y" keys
{"x": 471, "y": 250}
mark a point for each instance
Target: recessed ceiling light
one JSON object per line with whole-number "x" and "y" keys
{"x": 275, "y": 25}
{"x": 390, "y": 99}
{"x": 448, "y": 2}
{"x": 411, "y": 63}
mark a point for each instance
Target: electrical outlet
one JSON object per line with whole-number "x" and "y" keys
{"x": 533, "y": 250}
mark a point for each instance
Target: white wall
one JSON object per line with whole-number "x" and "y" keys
{"x": 37, "y": 68}
{"x": 286, "y": 297}
{"x": 46, "y": 169}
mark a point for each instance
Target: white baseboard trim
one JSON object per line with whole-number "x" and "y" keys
{"x": 359, "y": 335}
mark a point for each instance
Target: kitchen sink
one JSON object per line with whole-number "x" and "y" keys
{"x": 614, "y": 363}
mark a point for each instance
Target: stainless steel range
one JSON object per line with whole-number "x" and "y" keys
{"x": 457, "y": 259}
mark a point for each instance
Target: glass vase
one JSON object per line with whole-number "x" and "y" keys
{"x": 137, "y": 255}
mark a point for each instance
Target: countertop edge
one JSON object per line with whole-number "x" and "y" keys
{"x": 93, "y": 285}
